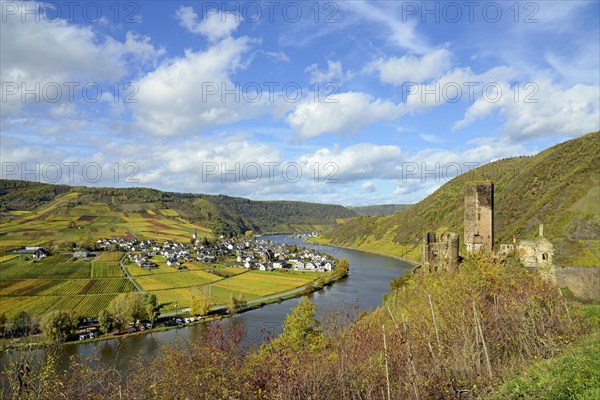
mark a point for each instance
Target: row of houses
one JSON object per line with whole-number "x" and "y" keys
{"x": 256, "y": 254}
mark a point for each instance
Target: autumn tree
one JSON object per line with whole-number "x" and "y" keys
{"x": 21, "y": 322}
{"x": 105, "y": 320}
{"x": 201, "y": 302}
{"x": 126, "y": 308}
{"x": 236, "y": 304}
{"x": 152, "y": 308}
{"x": 301, "y": 330}
{"x": 58, "y": 325}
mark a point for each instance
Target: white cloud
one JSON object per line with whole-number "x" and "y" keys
{"x": 369, "y": 187}
{"x": 430, "y": 138}
{"x": 356, "y": 162}
{"x": 334, "y": 72}
{"x": 542, "y": 109}
{"x": 186, "y": 95}
{"x": 410, "y": 68}
{"x": 213, "y": 26}
{"x": 58, "y": 52}
{"x": 278, "y": 56}
{"x": 399, "y": 30}
{"x": 351, "y": 112}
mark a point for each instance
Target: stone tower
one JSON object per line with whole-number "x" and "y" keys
{"x": 479, "y": 216}
{"x": 440, "y": 253}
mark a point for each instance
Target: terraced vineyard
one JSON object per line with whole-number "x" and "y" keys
{"x": 60, "y": 283}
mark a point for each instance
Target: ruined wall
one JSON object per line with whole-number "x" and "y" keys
{"x": 440, "y": 253}
{"x": 479, "y": 216}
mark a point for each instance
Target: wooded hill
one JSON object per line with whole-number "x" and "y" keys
{"x": 559, "y": 187}
{"x": 380, "y": 209}
{"x": 221, "y": 214}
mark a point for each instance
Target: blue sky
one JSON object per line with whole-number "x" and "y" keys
{"x": 348, "y": 102}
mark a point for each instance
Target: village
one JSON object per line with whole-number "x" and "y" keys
{"x": 248, "y": 253}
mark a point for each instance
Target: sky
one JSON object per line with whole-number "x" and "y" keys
{"x": 346, "y": 102}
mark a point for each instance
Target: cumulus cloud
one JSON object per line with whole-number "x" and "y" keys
{"x": 346, "y": 113}
{"x": 369, "y": 187}
{"x": 334, "y": 72}
{"x": 542, "y": 108}
{"x": 57, "y": 52}
{"x": 213, "y": 26}
{"x": 361, "y": 161}
{"x": 188, "y": 94}
{"x": 411, "y": 68}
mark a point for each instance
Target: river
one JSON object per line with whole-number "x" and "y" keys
{"x": 367, "y": 282}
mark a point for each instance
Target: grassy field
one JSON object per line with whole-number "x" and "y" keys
{"x": 573, "y": 374}
{"x": 262, "y": 283}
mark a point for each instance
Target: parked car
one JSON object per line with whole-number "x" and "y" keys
{"x": 187, "y": 320}
{"x": 132, "y": 329}
{"x": 149, "y": 325}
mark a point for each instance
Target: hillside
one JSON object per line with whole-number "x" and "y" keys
{"x": 379, "y": 210}
{"x": 559, "y": 187}
{"x": 36, "y": 213}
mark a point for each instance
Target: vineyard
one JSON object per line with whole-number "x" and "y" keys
{"x": 108, "y": 256}
{"x": 53, "y": 267}
{"x": 176, "y": 280}
{"x": 106, "y": 270}
{"x": 60, "y": 283}
{"x": 264, "y": 283}
{"x": 87, "y": 306}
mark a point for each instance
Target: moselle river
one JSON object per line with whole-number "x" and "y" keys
{"x": 369, "y": 278}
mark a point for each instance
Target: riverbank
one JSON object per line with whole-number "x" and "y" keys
{"x": 217, "y": 313}
{"x": 316, "y": 241}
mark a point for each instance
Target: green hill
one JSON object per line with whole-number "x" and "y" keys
{"x": 37, "y": 213}
{"x": 380, "y": 209}
{"x": 559, "y": 187}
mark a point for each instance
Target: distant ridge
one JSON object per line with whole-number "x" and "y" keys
{"x": 222, "y": 215}
{"x": 559, "y": 187}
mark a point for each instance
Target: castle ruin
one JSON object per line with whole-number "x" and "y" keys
{"x": 479, "y": 217}
{"x": 440, "y": 253}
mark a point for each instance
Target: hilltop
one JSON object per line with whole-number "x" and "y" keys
{"x": 37, "y": 213}
{"x": 559, "y": 187}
